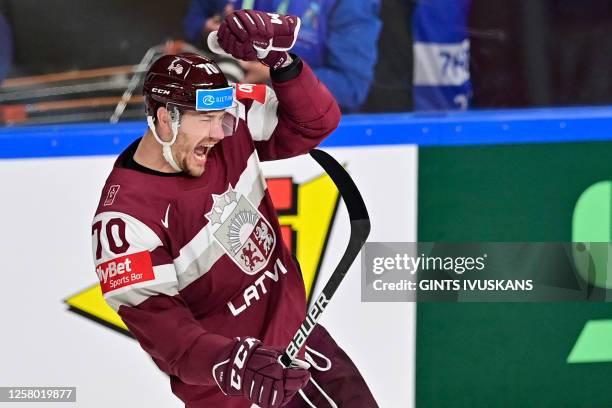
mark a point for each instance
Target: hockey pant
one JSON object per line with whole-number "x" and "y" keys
{"x": 335, "y": 381}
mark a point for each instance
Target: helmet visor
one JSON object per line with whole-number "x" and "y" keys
{"x": 211, "y": 123}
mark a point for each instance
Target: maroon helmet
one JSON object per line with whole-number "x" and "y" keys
{"x": 176, "y": 78}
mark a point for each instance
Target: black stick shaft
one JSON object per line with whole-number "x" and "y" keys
{"x": 360, "y": 229}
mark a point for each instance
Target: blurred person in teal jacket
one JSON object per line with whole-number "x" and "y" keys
{"x": 338, "y": 38}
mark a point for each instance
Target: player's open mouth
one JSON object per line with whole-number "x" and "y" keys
{"x": 201, "y": 152}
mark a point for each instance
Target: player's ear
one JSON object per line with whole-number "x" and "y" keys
{"x": 161, "y": 115}
{"x": 162, "y": 123}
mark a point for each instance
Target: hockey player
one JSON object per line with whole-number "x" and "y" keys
{"x": 187, "y": 243}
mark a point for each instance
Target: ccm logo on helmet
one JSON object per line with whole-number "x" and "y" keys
{"x": 161, "y": 91}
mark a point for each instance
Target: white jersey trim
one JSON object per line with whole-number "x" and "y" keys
{"x": 138, "y": 234}
{"x": 262, "y": 118}
{"x": 140, "y": 238}
{"x": 198, "y": 256}
{"x": 164, "y": 283}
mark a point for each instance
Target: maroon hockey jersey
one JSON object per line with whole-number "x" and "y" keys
{"x": 190, "y": 263}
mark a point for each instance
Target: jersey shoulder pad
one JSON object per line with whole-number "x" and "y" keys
{"x": 122, "y": 249}
{"x": 118, "y": 233}
{"x": 261, "y": 107}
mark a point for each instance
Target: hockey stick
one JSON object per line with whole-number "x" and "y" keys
{"x": 139, "y": 71}
{"x": 360, "y": 229}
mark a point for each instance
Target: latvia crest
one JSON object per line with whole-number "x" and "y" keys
{"x": 243, "y": 232}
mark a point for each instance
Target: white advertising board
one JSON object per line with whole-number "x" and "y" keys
{"x": 46, "y": 210}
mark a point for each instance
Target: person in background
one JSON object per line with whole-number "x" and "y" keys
{"x": 338, "y": 38}
{"x": 441, "y": 52}
{"x": 6, "y": 48}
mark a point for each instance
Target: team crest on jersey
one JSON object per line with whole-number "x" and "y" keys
{"x": 243, "y": 232}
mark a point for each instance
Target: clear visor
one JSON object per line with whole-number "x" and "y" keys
{"x": 213, "y": 123}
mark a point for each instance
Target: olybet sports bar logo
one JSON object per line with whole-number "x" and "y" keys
{"x": 243, "y": 232}
{"x": 125, "y": 270}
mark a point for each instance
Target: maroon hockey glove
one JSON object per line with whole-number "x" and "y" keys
{"x": 251, "y": 35}
{"x": 254, "y": 372}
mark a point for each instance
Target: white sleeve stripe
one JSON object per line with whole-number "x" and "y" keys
{"x": 163, "y": 274}
{"x": 136, "y": 295}
{"x": 241, "y": 110}
{"x": 140, "y": 236}
{"x": 262, "y": 119}
{"x": 144, "y": 280}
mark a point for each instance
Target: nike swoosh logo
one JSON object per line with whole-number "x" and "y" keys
{"x": 165, "y": 220}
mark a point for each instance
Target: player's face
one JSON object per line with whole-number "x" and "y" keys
{"x": 198, "y": 133}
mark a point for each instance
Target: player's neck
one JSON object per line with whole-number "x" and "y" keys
{"x": 149, "y": 154}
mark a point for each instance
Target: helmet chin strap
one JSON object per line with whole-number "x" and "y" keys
{"x": 166, "y": 146}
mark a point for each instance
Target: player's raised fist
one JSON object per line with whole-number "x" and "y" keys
{"x": 251, "y": 35}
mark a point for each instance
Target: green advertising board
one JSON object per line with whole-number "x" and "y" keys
{"x": 515, "y": 354}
